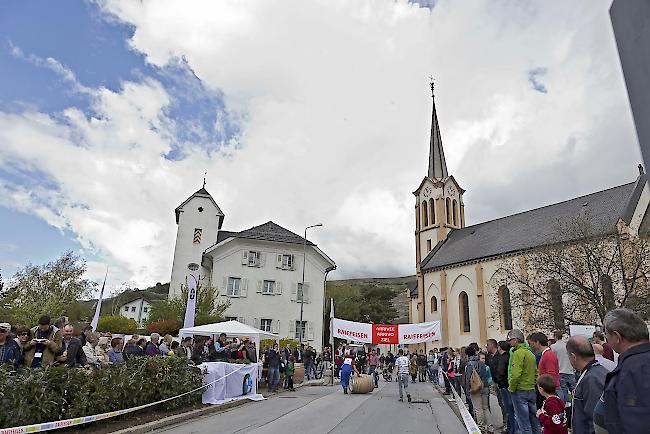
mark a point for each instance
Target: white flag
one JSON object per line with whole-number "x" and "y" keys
{"x": 95, "y": 320}
{"x": 191, "y": 302}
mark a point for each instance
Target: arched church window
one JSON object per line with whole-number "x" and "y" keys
{"x": 432, "y": 210}
{"x": 434, "y": 304}
{"x": 425, "y": 214}
{"x": 454, "y": 211}
{"x": 505, "y": 306}
{"x": 463, "y": 302}
{"x": 448, "y": 210}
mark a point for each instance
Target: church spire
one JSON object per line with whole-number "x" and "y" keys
{"x": 437, "y": 164}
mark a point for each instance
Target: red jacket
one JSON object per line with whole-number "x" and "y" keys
{"x": 552, "y": 418}
{"x": 549, "y": 364}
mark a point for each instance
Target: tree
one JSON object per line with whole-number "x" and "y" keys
{"x": 208, "y": 310}
{"x": 577, "y": 282}
{"x": 51, "y": 289}
{"x": 164, "y": 327}
{"x": 362, "y": 303}
{"x": 117, "y": 324}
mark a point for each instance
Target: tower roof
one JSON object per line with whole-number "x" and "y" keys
{"x": 437, "y": 164}
{"x": 200, "y": 193}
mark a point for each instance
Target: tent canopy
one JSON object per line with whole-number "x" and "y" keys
{"x": 230, "y": 328}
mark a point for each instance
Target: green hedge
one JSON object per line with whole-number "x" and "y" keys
{"x": 56, "y": 393}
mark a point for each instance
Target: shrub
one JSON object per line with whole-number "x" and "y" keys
{"x": 117, "y": 324}
{"x": 283, "y": 343}
{"x": 164, "y": 327}
{"x": 57, "y": 392}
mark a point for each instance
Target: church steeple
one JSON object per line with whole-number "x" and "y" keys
{"x": 437, "y": 164}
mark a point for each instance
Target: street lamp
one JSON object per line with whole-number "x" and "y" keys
{"x": 302, "y": 285}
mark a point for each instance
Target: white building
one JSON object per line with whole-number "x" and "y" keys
{"x": 259, "y": 270}
{"x": 137, "y": 309}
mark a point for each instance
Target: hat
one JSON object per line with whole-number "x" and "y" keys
{"x": 5, "y": 326}
{"x": 516, "y": 334}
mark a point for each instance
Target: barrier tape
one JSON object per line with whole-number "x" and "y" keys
{"x": 66, "y": 423}
{"x": 468, "y": 420}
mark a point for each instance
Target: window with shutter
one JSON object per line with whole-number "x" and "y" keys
{"x": 300, "y": 330}
{"x": 275, "y": 326}
{"x": 197, "y": 235}
{"x": 278, "y": 288}
{"x": 268, "y": 287}
{"x": 253, "y": 258}
{"x": 287, "y": 262}
{"x": 234, "y": 287}
{"x": 265, "y": 324}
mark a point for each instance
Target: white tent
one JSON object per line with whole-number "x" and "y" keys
{"x": 231, "y": 329}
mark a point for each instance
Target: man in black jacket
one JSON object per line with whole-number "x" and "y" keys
{"x": 500, "y": 377}
{"x": 71, "y": 353}
{"x": 492, "y": 360}
{"x": 590, "y": 384}
{"x": 625, "y": 401}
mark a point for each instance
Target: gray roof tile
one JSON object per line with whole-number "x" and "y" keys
{"x": 268, "y": 231}
{"x": 532, "y": 228}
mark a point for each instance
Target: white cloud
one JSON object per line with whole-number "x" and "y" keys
{"x": 333, "y": 102}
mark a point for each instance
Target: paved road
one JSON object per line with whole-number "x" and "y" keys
{"x": 320, "y": 410}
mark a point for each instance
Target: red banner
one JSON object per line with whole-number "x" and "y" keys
{"x": 385, "y": 334}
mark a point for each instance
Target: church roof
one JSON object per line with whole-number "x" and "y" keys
{"x": 437, "y": 164}
{"x": 268, "y": 231}
{"x": 534, "y": 228}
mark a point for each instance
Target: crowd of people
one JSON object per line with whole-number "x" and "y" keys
{"x": 552, "y": 384}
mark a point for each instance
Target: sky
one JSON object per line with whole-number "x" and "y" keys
{"x": 301, "y": 113}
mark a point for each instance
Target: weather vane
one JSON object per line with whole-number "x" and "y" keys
{"x": 432, "y": 86}
{"x": 204, "y": 175}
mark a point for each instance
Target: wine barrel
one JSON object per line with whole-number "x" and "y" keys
{"x": 361, "y": 384}
{"x": 299, "y": 373}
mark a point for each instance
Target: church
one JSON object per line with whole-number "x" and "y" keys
{"x": 272, "y": 278}
{"x": 456, "y": 264}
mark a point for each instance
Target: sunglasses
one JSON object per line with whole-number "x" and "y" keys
{"x": 4, "y": 331}
{"x": 23, "y": 334}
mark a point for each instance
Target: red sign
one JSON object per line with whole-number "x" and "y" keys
{"x": 385, "y": 334}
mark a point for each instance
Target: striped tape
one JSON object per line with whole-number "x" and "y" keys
{"x": 468, "y": 420}
{"x": 48, "y": 426}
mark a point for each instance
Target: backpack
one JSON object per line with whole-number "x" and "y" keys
{"x": 475, "y": 382}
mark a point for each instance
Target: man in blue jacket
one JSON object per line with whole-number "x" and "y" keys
{"x": 626, "y": 398}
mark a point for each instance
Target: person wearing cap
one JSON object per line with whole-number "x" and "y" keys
{"x": 9, "y": 349}
{"x": 523, "y": 376}
{"x": 41, "y": 350}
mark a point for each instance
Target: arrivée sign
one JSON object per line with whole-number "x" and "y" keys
{"x": 386, "y": 333}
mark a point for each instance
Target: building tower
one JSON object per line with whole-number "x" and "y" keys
{"x": 439, "y": 206}
{"x": 199, "y": 220}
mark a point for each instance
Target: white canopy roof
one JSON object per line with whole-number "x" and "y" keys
{"x": 230, "y": 328}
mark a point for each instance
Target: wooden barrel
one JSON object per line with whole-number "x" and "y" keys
{"x": 299, "y": 373}
{"x": 361, "y": 384}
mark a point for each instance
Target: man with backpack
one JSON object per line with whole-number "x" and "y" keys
{"x": 476, "y": 383}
